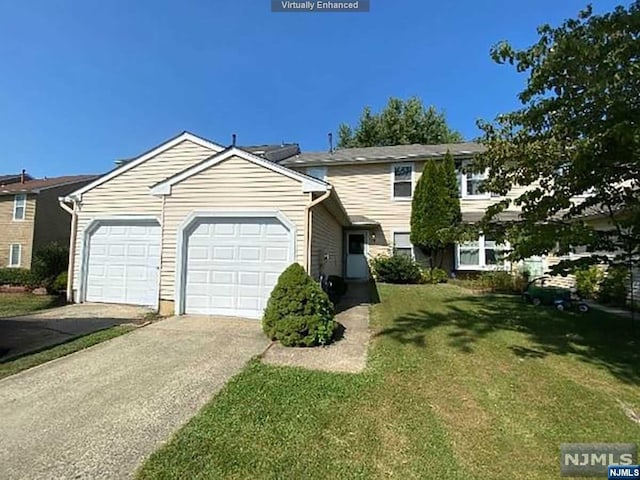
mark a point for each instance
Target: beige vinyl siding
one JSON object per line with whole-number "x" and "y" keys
{"x": 326, "y": 239}
{"x": 366, "y": 189}
{"x": 128, "y": 193}
{"x": 16, "y": 231}
{"x": 232, "y": 184}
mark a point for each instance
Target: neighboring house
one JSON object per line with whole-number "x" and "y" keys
{"x": 30, "y": 216}
{"x": 193, "y": 227}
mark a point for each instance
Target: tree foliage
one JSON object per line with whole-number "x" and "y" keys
{"x": 576, "y": 138}
{"x": 435, "y": 208}
{"x": 399, "y": 123}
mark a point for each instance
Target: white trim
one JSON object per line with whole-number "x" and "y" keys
{"x": 93, "y": 224}
{"x": 24, "y": 206}
{"x": 15, "y": 265}
{"x": 180, "y": 283}
{"x": 393, "y": 180}
{"x": 408, "y": 232}
{"x": 146, "y": 156}
{"x": 482, "y": 261}
{"x": 309, "y": 184}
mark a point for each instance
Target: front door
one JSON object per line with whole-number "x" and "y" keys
{"x": 357, "y": 266}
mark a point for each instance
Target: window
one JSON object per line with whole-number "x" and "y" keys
{"x": 317, "y": 172}
{"x": 356, "y": 244}
{"x": 402, "y": 244}
{"x": 402, "y": 178}
{"x": 469, "y": 184}
{"x": 481, "y": 254}
{"x": 15, "y": 251}
{"x": 19, "y": 206}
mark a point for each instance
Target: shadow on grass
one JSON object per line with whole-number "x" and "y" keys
{"x": 358, "y": 293}
{"x": 596, "y": 338}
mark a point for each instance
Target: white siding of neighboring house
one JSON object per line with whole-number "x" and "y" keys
{"x": 232, "y": 184}
{"x": 128, "y": 193}
{"x": 326, "y": 239}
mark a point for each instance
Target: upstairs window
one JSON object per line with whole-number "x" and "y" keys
{"x": 318, "y": 172}
{"x": 402, "y": 244}
{"x": 19, "y": 206}
{"x": 470, "y": 184}
{"x": 402, "y": 179}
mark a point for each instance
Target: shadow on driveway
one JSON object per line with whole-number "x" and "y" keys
{"x": 20, "y": 336}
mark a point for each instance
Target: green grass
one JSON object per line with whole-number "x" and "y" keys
{"x": 14, "y": 304}
{"x": 458, "y": 386}
{"x": 28, "y": 361}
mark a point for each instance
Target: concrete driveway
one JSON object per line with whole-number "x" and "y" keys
{"x": 100, "y": 412}
{"x": 38, "y": 330}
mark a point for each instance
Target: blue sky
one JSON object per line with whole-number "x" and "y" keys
{"x": 85, "y": 82}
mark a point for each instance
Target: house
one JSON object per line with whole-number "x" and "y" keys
{"x": 192, "y": 226}
{"x": 30, "y": 216}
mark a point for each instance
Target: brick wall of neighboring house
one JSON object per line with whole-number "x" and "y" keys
{"x": 52, "y": 223}
{"x": 16, "y": 231}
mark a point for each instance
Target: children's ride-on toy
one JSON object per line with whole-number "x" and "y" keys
{"x": 562, "y": 298}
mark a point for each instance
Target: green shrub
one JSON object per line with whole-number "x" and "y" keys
{"x": 614, "y": 287}
{"x": 501, "y": 282}
{"x": 21, "y": 277}
{"x": 49, "y": 262}
{"x": 434, "y": 275}
{"x": 60, "y": 283}
{"x": 587, "y": 281}
{"x": 298, "y": 313}
{"x": 396, "y": 269}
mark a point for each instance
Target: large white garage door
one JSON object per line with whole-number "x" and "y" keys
{"x": 232, "y": 264}
{"x": 123, "y": 263}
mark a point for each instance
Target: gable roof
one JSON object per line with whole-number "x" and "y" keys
{"x": 395, "y": 153}
{"x": 36, "y": 185}
{"x": 146, "y": 156}
{"x": 309, "y": 184}
{"x": 275, "y": 153}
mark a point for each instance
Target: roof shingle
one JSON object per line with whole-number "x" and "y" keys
{"x": 35, "y": 185}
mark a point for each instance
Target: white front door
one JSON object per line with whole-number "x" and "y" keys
{"x": 232, "y": 264}
{"x": 123, "y": 263}
{"x": 357, "y": 265}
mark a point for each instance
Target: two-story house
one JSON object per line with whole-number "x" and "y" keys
{"x": 194, "y": 227}
{"x": 30, "y": 216}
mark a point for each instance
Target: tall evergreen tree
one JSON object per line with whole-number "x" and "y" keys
{"x": 435, "y": 210}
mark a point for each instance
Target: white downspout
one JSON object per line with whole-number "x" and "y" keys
{"x": 72, "y": 244}
{"x": 308, "y": 227}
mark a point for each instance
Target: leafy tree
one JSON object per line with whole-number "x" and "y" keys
{"x": 399, "y": 123}
{"x": 435, "y": 209}
{"x": 577, "y": 133}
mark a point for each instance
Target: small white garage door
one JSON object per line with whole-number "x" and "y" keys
{"x": 123, "y": 263}
{"x": 232, "y": 264}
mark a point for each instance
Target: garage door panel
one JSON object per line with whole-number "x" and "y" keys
{"x": 245, "y": 259}
{"x": 123, "y": 262}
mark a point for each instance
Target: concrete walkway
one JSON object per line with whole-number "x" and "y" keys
{"x": 348, "y": 354}
{"x": 100, "y": 412}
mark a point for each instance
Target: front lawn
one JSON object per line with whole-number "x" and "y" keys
{"x": 15, "y": 304}
{"x": 458, "y": 386}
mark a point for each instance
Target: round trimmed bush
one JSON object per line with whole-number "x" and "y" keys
{"x": 60, "y": 283}
{"x": 298, "y": 313}
{"x": 396, "y": 269}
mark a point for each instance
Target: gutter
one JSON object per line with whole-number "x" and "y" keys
{"x": 72, "y": 241}
{"x": 308, "y": 226}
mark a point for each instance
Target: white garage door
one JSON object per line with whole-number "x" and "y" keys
{"x": 233, "y": 264}
{"x": 123, "y": 263}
